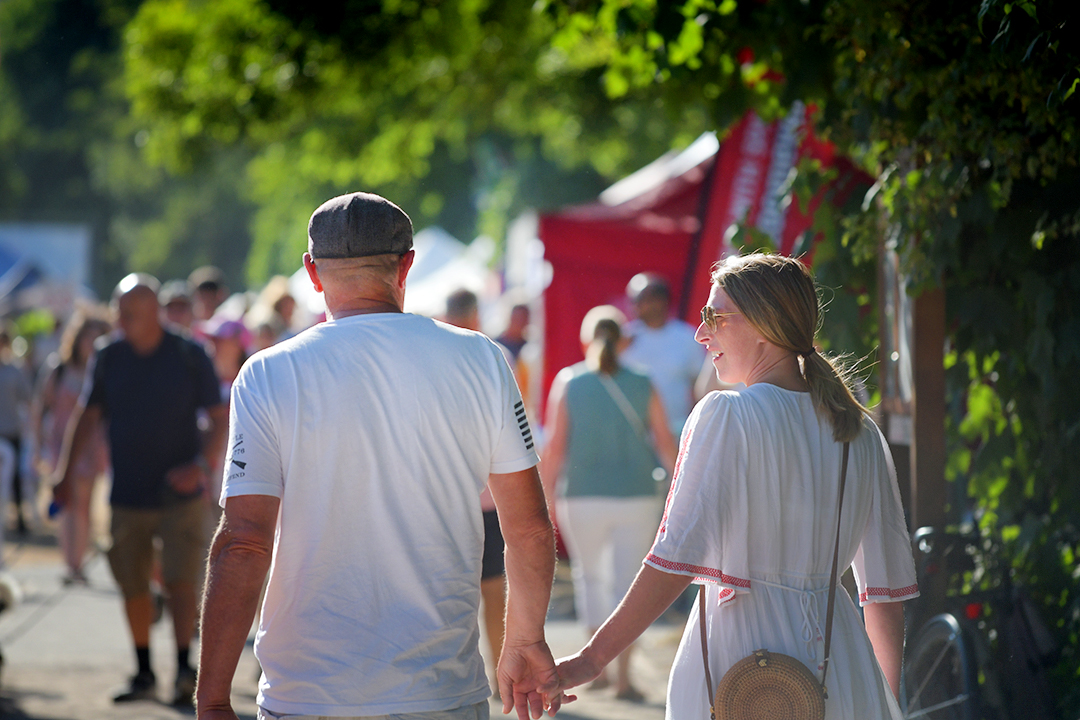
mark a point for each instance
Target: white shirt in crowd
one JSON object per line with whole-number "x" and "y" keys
{"x": 672, "y": 359}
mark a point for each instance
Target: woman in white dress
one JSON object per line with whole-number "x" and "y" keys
{"x": 752, "y": 511}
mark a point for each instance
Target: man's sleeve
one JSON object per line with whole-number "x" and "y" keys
{"x": 252, "y": 458}
{"x": 515, "y": 448}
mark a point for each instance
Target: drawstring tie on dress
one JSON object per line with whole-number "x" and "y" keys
{"x": 810, "y": 606}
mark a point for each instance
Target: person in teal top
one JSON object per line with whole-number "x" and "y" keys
{"x": 609, "y": 445}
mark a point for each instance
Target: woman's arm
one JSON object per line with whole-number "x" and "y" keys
{"x": 885, "y": 626}
{"x": 557, "y": 427}
{"x": 650, "y": 595}
{"x": 666, "y": 446}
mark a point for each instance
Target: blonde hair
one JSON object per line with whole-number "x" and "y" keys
{"x": 777, "y": 296}
{"x": 601, "y": 330}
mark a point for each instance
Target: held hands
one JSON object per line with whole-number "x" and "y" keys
{"x": 528, "y": 681}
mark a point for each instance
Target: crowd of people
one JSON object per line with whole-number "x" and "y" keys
{"x": 386, "y": 464}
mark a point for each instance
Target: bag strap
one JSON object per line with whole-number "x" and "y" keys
{"x": 705, "y": 652}
{"x": 621, "y": 400}
{"x": 828, "y": 613}
{"x": 835, "y": 563}
{"x": 634, "y": 419}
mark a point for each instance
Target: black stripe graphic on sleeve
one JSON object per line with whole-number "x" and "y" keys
{"x": 523, "y": 424}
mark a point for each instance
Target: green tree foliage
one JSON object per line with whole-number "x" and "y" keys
{"x": 70, "y": 153}
{"x": 462, "y": 110}
{"x": 967, "y": 116}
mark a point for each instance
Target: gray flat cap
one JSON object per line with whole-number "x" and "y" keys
{"x": 358, "y": 225}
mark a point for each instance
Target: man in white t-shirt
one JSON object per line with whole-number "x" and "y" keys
{"x": 663, "y": 347}
{"x": 357, "y": 454}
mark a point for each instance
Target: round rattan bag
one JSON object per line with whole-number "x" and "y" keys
{"x": 769, "y": 686}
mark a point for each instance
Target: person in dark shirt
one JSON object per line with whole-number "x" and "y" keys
{"x": 148, "y": 387}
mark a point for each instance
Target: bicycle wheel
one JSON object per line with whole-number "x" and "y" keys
{"x": 939, "y": 681}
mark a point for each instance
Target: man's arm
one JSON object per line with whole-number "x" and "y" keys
{"x": 187, "y": 479}
{"x": 526, "y": 674}
{"x": 239, "y": 560}
{"x": 81, "y": 426}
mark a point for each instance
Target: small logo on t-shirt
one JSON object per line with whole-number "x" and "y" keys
{"x": 523, "y": 424}
{"x": 239, "y": 464}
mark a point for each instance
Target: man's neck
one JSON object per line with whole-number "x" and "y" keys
{"x": 147, "y": 346}
{"x": 362, "y": 307}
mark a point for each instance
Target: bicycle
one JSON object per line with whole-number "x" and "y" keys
{"x": 985, "y": 656}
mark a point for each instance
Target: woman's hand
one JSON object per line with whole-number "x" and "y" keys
{"x": 575, "y": 670}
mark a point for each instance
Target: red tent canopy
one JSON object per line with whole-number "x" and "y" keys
{"x": 671, "y": 218}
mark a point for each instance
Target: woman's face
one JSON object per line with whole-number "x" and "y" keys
{"x": 734, "y": 346}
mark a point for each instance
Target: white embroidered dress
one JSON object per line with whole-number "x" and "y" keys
{"x": 752, "y": 514}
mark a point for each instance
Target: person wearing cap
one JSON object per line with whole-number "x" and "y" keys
{"x": 357, "y": 454}
{"x": 663, "y": 347}
{"x": 148, "y": 388}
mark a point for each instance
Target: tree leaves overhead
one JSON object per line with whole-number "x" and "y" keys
{"x": 359, "y": 94}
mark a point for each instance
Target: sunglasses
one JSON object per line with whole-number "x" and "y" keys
{"x": 709, "y": 316}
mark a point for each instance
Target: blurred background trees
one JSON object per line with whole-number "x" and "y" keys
{"x": 189, "y": 131}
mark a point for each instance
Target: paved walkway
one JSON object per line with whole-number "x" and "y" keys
{"x": 66, "y": 650}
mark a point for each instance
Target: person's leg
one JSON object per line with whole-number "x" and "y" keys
{"x": 584, "y": 524}
{"x": 182, "y": 561}
{"x": 632, "y": 534}
{"x": 493, "y": 593}
{"x": 493, "y": 586}
{"x": 130, "y": 558}
{"x": 75, "y": 527}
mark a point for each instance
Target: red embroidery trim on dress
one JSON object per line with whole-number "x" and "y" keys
{"x": 888, "y": 592}
{"x": 704, "y": 572}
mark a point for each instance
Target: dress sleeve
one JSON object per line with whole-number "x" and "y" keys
{"x": 703, "y": 493}
{"x": 883, "y": 566}
{"x": 253, "y": 462}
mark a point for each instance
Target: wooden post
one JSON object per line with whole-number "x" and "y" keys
{"x": 928, "y": 496}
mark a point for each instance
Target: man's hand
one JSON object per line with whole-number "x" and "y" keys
{"x": 528, "y": 681}
{"x": 186, "y": 479}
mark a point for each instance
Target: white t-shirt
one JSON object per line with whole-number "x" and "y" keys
{"x": 672, "y": 359}
{"x": 378, "y": 432}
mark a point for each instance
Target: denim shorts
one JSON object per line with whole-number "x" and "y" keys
{"x": 479, "y": 711}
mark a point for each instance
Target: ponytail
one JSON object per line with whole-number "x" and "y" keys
{"x": 603, "y": 353}
{"x": 830, "y": 389}
{"x": 601, "y": 331}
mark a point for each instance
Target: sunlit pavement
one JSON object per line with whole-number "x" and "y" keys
{"x": 67, "y": 650}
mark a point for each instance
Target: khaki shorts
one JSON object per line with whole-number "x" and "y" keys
{"x": 182, "y": 529}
